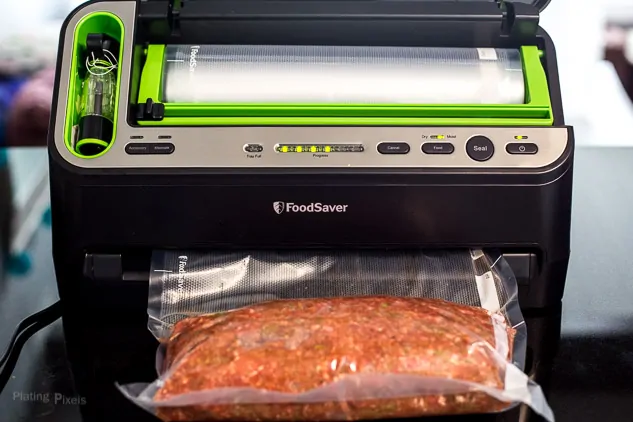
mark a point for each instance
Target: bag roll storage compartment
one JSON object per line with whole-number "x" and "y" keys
{"x": 340, "y": 75}
{"x": 306, "y": 85}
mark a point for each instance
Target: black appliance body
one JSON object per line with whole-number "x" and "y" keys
{"x": 108, "y": 216}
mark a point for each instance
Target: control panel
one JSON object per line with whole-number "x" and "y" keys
{"x": 344, "y": 147}
{"x": 478, "y": 148}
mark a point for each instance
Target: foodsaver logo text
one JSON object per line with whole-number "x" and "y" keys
{"x": 182, "y": 271}
{"x": 193, "y": 58}
{"x": 281, "y": 207}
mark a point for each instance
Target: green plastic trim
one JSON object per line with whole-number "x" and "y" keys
{"x": 138, "y": 60}
{"x": 344, "y": 121}
{"x": 97, "y": 22}
{"x": 152, "y": 75}
{"x": 536, "y": 111}
{"x": 91, "y": 141}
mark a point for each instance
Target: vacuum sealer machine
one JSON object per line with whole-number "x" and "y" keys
{"x": 298, "y": 125}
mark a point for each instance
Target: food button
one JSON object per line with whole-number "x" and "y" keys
{"x": 437, "y": 148}
{"x": 393, "y": 148}
{"x": 521, "y": 148}
{"x": 480, "y": 148}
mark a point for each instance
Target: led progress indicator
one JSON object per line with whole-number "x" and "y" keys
{"x": 319, "y": 148}
{"x": 438, "y": 137}
{"x": 520, "y": 137}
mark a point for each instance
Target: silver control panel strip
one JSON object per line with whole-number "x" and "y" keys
{"x": 278, "y": 147}
{"x": 337, "y": 147}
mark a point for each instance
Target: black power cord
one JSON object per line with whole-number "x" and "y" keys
{"x": 23, "y": 332}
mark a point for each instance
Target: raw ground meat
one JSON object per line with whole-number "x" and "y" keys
{"x": 294, "y": 346}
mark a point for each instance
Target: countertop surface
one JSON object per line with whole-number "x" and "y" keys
{"x": 594, "y": 368}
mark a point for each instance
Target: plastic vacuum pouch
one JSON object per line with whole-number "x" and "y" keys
{"x": 349, "y": 336}
{"x": 296, "y": 74}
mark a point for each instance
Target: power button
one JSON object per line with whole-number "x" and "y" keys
{"x": 521, "y": 148}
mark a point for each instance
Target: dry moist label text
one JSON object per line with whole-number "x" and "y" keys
{"x": 281, "y": 207}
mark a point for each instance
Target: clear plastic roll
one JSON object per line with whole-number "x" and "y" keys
{"x": 241, "y": 74}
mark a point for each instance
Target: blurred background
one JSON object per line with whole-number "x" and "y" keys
{"x": 594, "y": 41}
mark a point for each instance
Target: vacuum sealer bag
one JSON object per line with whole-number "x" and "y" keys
{"x": 335, "y": 336}
{"x": 278, "y": 74}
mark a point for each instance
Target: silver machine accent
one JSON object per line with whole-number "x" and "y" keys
{"x": 225, "y": 147}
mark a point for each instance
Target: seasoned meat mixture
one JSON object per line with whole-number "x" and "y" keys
{"x": 294, "y": 346}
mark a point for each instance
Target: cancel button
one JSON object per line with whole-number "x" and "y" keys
{"x": 393, "y": 148}
{"x": 480, "y": 148}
